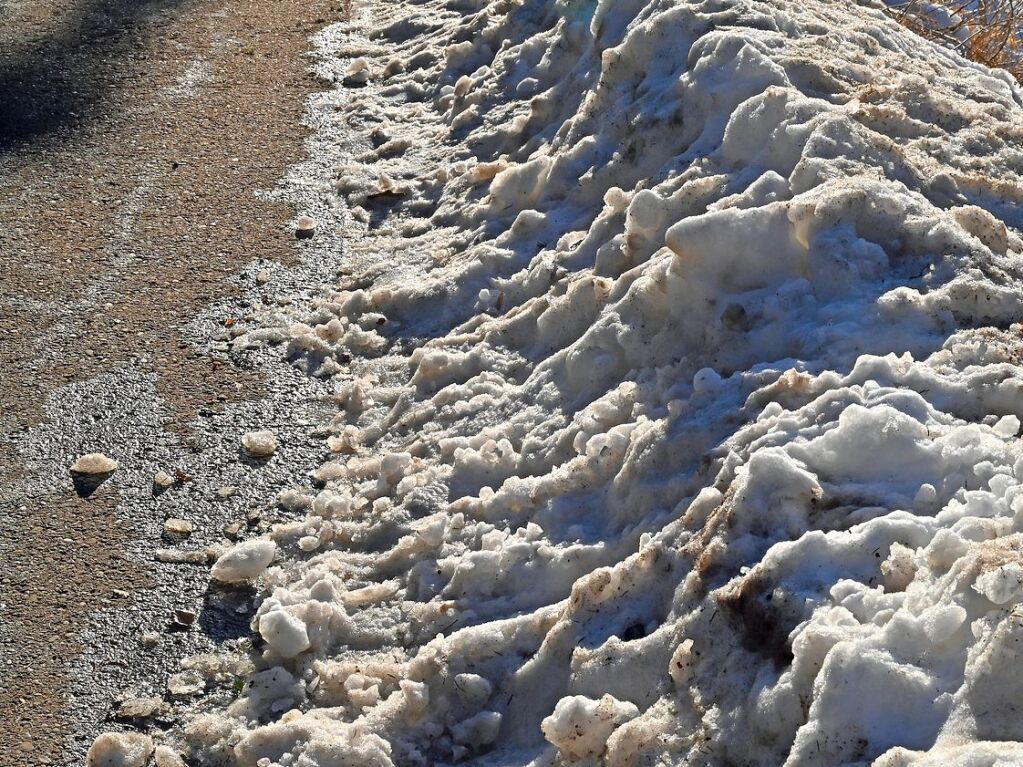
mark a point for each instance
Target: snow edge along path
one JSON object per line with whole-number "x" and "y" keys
{"x": 678, "y": 397}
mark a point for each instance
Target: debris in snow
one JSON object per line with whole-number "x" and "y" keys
{"x": 94, "y": 464}
{"x": 150, "y": 639}
{"x": 259, "y": 444}
{"x": 305, "y": 227}
{"x": 226, "y": 491}
{"x": 184, "y": 617}
{"x": 120, "y": 749}
{"x": 244, "y": 561}
{"x": 262, "y": 277}
{"x": 162, "y": 480}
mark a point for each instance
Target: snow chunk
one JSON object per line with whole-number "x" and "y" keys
{"x": 119, "y": 749}
{"x": 244, "y": 561}
{"x": 94, "y": 463}
{"x": 259, "y": 444}
{"x": 478, "y": 730}
{"x": 285, "y": 632}
{"x": 581, "y": 726}
{"x": 1002, "y": 584}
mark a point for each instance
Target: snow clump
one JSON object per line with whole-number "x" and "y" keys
{"x": 120, "y": 749}
{"x": 244, "y": 561}
{"x": 94, "y": 463}
{"x": 259, "y": 444}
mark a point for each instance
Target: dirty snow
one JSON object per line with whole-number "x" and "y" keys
{"x": 94, "y": 463}
{"x": 678, "y": 390}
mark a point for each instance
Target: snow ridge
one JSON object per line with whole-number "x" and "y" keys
{"x": 678, "y": 400}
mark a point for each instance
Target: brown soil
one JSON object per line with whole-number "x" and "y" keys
{"x": 133, "y": 137}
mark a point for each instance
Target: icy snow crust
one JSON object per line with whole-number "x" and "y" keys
{"x": 692, "y": 438}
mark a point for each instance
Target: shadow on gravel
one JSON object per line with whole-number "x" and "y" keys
{"x": 87, "y": 484}
{"x": 61, "y": 78}
{"x": 226, "y": 612}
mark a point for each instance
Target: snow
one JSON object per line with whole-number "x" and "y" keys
{"x": 127, "y": 749}
{"x": 94, "y": 463}
{"x": 259, "y": 444}
{"x": 580, "y": 726}
{"x": 244, "y": 561}
{"x": 677, "y": 384}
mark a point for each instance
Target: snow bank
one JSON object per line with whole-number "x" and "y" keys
{"x": 683, "y": 427}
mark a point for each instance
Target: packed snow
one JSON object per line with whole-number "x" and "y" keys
{"x": 678, "y": 400}
{"x": 94, "y": 463}
{"x": 259, "y": 444}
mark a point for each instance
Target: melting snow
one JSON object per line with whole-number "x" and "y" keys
{"x": 682, "y": 427}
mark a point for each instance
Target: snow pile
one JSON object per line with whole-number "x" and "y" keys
{"x": 684, "y": 426}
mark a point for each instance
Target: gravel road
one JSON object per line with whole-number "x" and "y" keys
{"x": 135, "y": 137}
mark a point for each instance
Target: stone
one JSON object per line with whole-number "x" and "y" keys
{"x": 140, "y": 708}
{"x": 175, "y": 526}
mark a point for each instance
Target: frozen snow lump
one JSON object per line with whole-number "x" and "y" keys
{"x": 673, "y": 391}
{"x": 244, "y": 561}
{"x": 259, "y": 444}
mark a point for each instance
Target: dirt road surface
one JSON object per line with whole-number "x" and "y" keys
{"x": 134, "y": 137}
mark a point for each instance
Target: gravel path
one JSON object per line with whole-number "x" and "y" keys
{"x": 134, "y": 138}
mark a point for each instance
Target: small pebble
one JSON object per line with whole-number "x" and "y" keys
{"x": 262, "y": 278}
{"x": 180, "y": 557}
{"x": 184, "y": 617}
{"x": 163, "y": 480}
{"x": 227, "y": 491}
{"x": 140, "y": 708}
{"x": 175, "y": 526}
{"x": 150, "y": 639}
